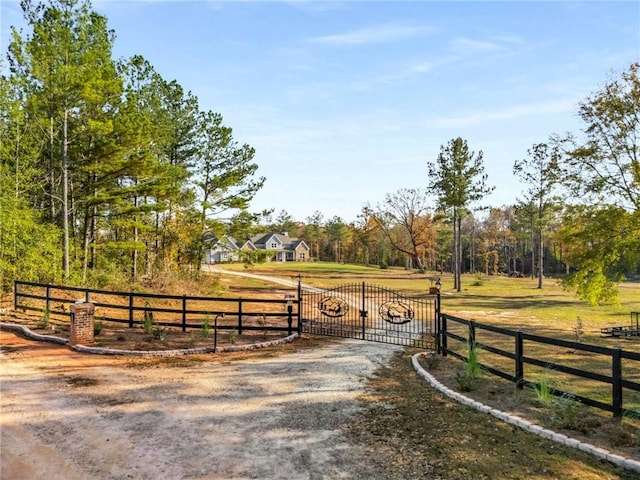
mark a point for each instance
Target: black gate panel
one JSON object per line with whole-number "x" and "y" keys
{"x": 370, "y": 312}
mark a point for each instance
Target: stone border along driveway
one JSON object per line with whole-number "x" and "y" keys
{"x": 143, "y": 353}
{"x": 601, "y": 453}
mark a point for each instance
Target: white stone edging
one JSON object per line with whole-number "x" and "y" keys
{"x": 142, "y": 353}
{"x": 626, "y": 463}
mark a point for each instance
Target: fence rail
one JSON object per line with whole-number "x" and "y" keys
{"x": 517, "y": 354}
{"x": 179, "y": 312}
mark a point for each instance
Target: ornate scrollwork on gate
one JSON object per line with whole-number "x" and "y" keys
{"x": 333, "y": 307}
{"x": 396, "y": 312}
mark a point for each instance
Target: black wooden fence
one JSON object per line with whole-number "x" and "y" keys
{"x": 518, "y": 355}
{"x": 176, "y": 311}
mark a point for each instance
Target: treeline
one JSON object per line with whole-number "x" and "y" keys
{"x": 108, "y": 170}
{"x": 105, "y": 165}
{"x": 501, "y": 241}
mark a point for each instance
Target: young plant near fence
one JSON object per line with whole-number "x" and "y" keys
{"x": 543, "y": 390}
{"x": 206, "y": 326}
{"x": 97, "y": 328}
{"x": 471, "y": 371}
{"x": 147, "y": 319}
{"x": 44, "y": 320}
{"x": 472, "y": 367}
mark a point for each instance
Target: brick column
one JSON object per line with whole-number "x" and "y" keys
{"x": 81, "y": 331}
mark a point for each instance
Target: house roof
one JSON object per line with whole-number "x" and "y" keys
{"x": 260, "y": 241}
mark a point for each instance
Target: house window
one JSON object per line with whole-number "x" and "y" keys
{"x": 274, "y": 245}
{"x": 301, "y": 256}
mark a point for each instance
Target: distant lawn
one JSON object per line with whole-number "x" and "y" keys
{"x": 509, "y": 302}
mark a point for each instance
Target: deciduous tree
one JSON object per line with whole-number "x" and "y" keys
{"x": 405, "y": 217}
{"x": 603, "y": 165}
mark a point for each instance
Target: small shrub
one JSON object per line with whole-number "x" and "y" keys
{"x": 477, "y": 280}
{"x": 206, "y": 327}
{"x": 147, "y": 319}
{"x": 464, "y": 381}
{"x": 45, "y": 319}
{"x": 543, "y": 390}
{"x": 160, "y": 334}
{"x": 566, "y": 412}
{"x": 578, "y": 330}
{"x": 97, "y": 328}
{"x": 472, "y": 366}
{"x": 231, "y": 337}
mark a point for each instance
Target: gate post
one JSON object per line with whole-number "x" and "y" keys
{"x": 438, "y": 323}
{"x": 299, "y": 304}
{"x": 443, "y": 334}
{"x": 363, "y": 312}
{"x": 81, "y": 329}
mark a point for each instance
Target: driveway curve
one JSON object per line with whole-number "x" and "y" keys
{"x": 268, "y": 416}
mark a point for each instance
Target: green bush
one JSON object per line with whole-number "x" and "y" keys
{"x": 97, "y": 328}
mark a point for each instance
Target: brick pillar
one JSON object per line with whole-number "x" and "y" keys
{"x": 81, "y": 331}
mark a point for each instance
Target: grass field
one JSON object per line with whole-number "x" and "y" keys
{"x": 509, "y": 302}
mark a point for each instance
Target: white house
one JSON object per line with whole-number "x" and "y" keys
{"x": 223, "y": 249}
{"x": 282, "y": 247}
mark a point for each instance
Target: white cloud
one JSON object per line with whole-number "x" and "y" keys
{"x": 377, "y": 34}
{"x": 517, "y": 111}
{"x": 467, "y": 46}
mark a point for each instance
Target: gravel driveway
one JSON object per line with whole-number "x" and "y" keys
{"x": 72, "y": 416}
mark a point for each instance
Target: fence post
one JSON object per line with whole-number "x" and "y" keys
{"x": 616, "y": 381}
{"x": 87, "y": 296}
{"x": 16, "y": 293}
{"x": 240, "y": 316}
{"x": 472, "y": 334}
{"x": 519, "y": 363}
{"x": 443, "y": 334}
{"x": 131, "y": 310}
{"x": 299, "y": 304}
{"x": 48, "y": 301}
{"x": 184, "y": 313}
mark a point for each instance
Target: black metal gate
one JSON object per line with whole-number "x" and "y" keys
{"x": 370, "y": 312}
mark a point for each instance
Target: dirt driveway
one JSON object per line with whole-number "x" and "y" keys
{"x": 66, "y": 415}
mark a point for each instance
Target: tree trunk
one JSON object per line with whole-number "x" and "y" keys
{"x": 459, "y": 259}
{"x": 85, "y": 245}
{"x": 134, "y": 253}
{"x": 540, "y": 259}
{"x": 52, "y": 175}
{"x": 65, "y": 200}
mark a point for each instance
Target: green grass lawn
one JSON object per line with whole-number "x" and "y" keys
{"x": 510, "y": 302}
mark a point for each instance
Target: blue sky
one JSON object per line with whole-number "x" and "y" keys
{"x": 347, "y": 101}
